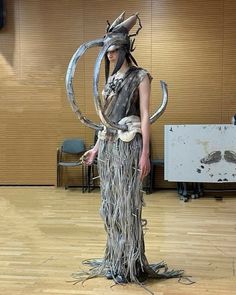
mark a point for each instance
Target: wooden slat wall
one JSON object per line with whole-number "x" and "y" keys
{"x": 188, "y": 43}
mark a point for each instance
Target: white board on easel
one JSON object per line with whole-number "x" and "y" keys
{"x": 200, "y": 153}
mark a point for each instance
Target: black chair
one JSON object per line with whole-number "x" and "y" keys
{"x": 75, "y": 147}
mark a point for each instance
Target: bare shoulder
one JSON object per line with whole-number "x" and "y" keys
{"x": 145, "y": 83}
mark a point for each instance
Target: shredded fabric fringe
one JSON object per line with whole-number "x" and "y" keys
{"x": 121, "y": 210}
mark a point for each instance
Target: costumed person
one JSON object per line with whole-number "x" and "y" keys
{"x": 122, "y": 152}
{"x": 123, "y": 162}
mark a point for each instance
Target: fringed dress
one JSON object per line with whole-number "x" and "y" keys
{"x": 122, "y": 198}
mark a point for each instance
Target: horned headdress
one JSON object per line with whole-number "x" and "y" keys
{"x": 117, "y": 36}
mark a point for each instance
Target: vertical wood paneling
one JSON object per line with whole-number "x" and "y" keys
{"x": 229, "y": 66}
{"x": 188, "y": 43}
{"x": 186, "y": 46}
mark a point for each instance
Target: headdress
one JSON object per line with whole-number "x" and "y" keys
{"x": 122, "y": 27}
{"x": 117, "y": 35}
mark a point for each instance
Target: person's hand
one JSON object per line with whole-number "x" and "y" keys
{"x": 144, "y": 166}
{"x": 89, "y": 156}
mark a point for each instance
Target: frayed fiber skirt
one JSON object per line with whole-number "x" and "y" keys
{"x": 121, "y": 206}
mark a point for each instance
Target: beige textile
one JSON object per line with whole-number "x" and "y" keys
{"x": 134, "y": 126}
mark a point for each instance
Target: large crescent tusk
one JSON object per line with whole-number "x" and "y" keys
{"x": 117, "y": 40}
{"x": 162, "y": 108}
{"x": 69, "y": 81}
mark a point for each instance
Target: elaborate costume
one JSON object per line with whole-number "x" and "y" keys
{"x": 120, "y": 146}
{"x": 120, "y": 182}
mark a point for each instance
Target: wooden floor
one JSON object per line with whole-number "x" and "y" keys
{"x": 45, "y": 234}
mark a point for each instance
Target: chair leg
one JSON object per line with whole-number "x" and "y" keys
{"x": 58, "y": 175}
{"x": 148, "y": 183}
{"x": 83, "y": 186}
{"x": 65, "y": 177}
{"x": 89, "y": 177}
{"x": 152, "y": 174}
{"x": 92, "y": 178}
{"x": 58, "y": 166}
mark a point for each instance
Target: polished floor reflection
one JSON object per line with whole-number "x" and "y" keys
{"x": 46, "y": 233}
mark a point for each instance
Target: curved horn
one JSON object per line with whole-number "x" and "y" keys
{"x": 162, "y": 108}
{"x": 117, "y": 40}
{"x": 117, "y": 21}
{"x": 69, "y": 81}
{"x": 128, "y": 23}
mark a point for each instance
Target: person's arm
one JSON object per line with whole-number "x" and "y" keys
{"x": 90, "y": 155}
{"x": 144, "y": 94}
